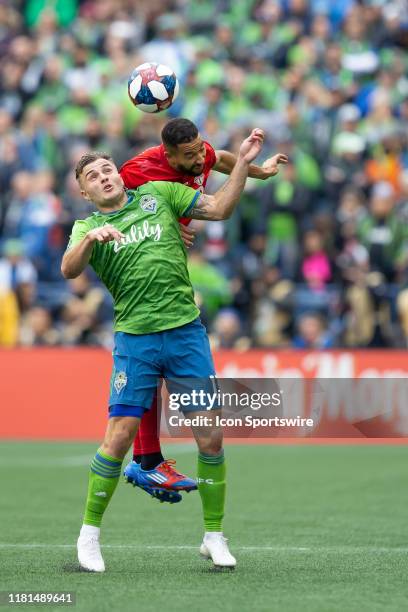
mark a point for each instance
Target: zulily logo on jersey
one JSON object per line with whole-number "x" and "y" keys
{"x": 138, "y": 233}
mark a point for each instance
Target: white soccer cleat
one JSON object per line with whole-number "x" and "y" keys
{"x": 215, "y": 547}
{"x": 89, "y": 553}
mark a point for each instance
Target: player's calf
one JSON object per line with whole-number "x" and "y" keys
{"x": 211, "y": 479}
{"x": 104, "y": 476}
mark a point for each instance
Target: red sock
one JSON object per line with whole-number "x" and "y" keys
{"x": 147, "y": 440}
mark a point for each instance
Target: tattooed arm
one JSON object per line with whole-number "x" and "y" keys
{"x": 222, "y": 203}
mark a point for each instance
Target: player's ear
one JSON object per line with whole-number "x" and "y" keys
{"x": 85, "y": 195}
{"x": 169, "y": 152}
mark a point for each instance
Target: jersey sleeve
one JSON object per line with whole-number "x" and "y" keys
{"x": 145, "y": 167}
{"x": 134, "y": 174}
{"x": 78, "y": 233}
{"x": 180, "y": 197}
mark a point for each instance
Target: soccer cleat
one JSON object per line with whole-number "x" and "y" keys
{"x": 132, "y": 475}
{"x": 166, "y": 477}
{"x": 89, "y": 554}
{"x": 215, "y": 547}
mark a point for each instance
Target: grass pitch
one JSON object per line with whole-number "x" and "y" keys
{"x": 314, "y": 528}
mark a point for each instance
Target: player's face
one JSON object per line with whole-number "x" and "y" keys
{"x": 101, "y": 183}
{"x": 188, "y": 157}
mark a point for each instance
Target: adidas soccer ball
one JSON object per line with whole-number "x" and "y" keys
{"x": 153, "y": 87}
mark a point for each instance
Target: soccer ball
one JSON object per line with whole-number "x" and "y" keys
{"x": 153, "y": 87}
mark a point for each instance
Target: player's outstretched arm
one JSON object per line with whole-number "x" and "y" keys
{"x": 77, "y": 258}
{"x": 222, "y": 203}
{"x": 226, "y": 162}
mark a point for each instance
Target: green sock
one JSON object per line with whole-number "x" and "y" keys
{"x": 103, "y": 479}
{"x": 211, "y": 486}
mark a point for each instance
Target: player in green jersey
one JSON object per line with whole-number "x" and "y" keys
{"x": 133, "y": 243}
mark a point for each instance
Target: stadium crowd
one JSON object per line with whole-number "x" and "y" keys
{"x": 315, "y": 257}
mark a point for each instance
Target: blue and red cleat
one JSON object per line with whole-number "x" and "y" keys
{"x": 163, "y": 482}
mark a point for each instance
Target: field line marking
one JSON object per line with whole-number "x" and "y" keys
{"x": 47, "y": 462}
{"x": 311, "y": 549}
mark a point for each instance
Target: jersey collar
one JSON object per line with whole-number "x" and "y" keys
{"x": 130, "y": 198}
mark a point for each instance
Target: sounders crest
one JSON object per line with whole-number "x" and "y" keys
{"x": 148, "y": 203}
{"x": 120, "y": 381}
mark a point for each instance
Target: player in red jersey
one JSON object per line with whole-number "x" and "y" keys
{"x": 183, "y": 157}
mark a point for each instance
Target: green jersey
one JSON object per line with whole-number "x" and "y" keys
{"x": 146, "y": 272}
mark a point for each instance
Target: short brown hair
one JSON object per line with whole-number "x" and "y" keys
{"x": 88, "y": 158}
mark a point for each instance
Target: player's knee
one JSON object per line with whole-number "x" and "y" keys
{"x": 211, "y": 445}
{"x": 118, "y": 442}
{"x": 117, "y": 446}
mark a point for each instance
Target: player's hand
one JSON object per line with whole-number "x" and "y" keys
{"x": 270, "y": 167}
{"x": 107, "y": 233}
{"x": 252, "y": 145}
{"x": 187, "y": 235}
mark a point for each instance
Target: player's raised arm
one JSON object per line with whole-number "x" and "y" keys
{"x": 77, "y": 258}
{"x": 226, "y": 162}
{"x": 222, "y": 203}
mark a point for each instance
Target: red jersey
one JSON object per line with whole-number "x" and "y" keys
{"x": 152, "y": 165}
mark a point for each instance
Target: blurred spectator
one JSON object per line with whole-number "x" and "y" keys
{"x": 382, "y": 233}
{"x": 312, "y": 333}
{"x": 37, "y": 328}
{"x": 345, "y": 166}
{"x": 272, "y": 312}
{"x": 315, "y": 267}
{"x": 285, "y": 202}
{"x": 169, "y": 43}
{"x": 210, "y": 286}
{"x": 17, "y": 274}
{"x": 17, "y": 280}
{"x": 9, "y": 319}
{"x": 227, "y": 331}
{"x": 373, "y": 297}
{"x": 65, "y": 11}
{"x": 326, "y": 80}
{"x": 82, "y": 76}
{"x": 83, "y": 313}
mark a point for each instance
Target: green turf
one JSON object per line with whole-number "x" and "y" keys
{"x": 313, "y": 528}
